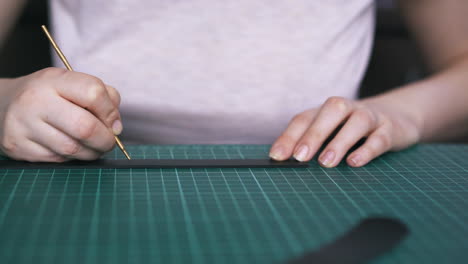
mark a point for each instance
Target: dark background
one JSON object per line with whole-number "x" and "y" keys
{"x": 394, "y": 61}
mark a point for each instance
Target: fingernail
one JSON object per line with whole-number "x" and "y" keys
{"x": 355, "y": 160}
{"x": 301, "y": 153}
{"x": 327, "y": 158}
{"x": 276, "y": 153}
{"x": 117, "y": 127}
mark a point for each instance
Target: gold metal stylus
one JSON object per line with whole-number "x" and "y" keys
{"x": 69, "y": 67}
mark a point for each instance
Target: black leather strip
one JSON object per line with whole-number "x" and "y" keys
{"x": 369, "y": 239}
{"x": 154, "y": 164}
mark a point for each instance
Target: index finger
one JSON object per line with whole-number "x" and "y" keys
{"x": 284, "y": 145}
{"x": 92, "y": 94}
{"x": 79, "y": 124}
{"x": 331, "y": 115}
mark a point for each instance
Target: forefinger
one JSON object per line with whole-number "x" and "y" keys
{"x": 92, "y": 94}
{"x": 331, "y": 115}
{"x": 80, "y": 124}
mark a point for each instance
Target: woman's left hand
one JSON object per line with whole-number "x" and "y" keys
{"x": 385, "y": 128}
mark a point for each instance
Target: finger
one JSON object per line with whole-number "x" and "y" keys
{"x": 283, "y": 147}
{"x": 16, "y": 145}
{"x": 92, "y": 94}
{"x": 114, "y": 95}
{"x": 359, "y": 125}
{"x": 331, "y": 115}
{"x": 80, "y": 125}
{"x": 62, "y": 144}
{"x": 376, "y": 144}
{"x": 34, "y": 152}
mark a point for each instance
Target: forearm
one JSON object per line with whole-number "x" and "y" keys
{"x": 9, "y": 11}
{"x": 438, "y": 104}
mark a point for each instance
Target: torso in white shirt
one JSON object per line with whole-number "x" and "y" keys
{"x": 206, "y": 71}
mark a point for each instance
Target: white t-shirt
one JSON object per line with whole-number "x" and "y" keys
{"x": 206, "y": 71}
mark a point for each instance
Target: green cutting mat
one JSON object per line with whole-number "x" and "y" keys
{"x": 231, "y": 215}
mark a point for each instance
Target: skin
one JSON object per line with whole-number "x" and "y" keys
{"x": 81, "y": 112}
{"x": 428, "y": 110}
{"x": 9, "y": 11}
{"x": 56, "y": 115}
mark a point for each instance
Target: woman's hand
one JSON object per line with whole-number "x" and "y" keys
{"x": 385, "y": 128}
{"x": 55, "y": 115}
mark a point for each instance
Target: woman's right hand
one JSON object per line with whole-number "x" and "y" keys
{"x": 55, "y": 115}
